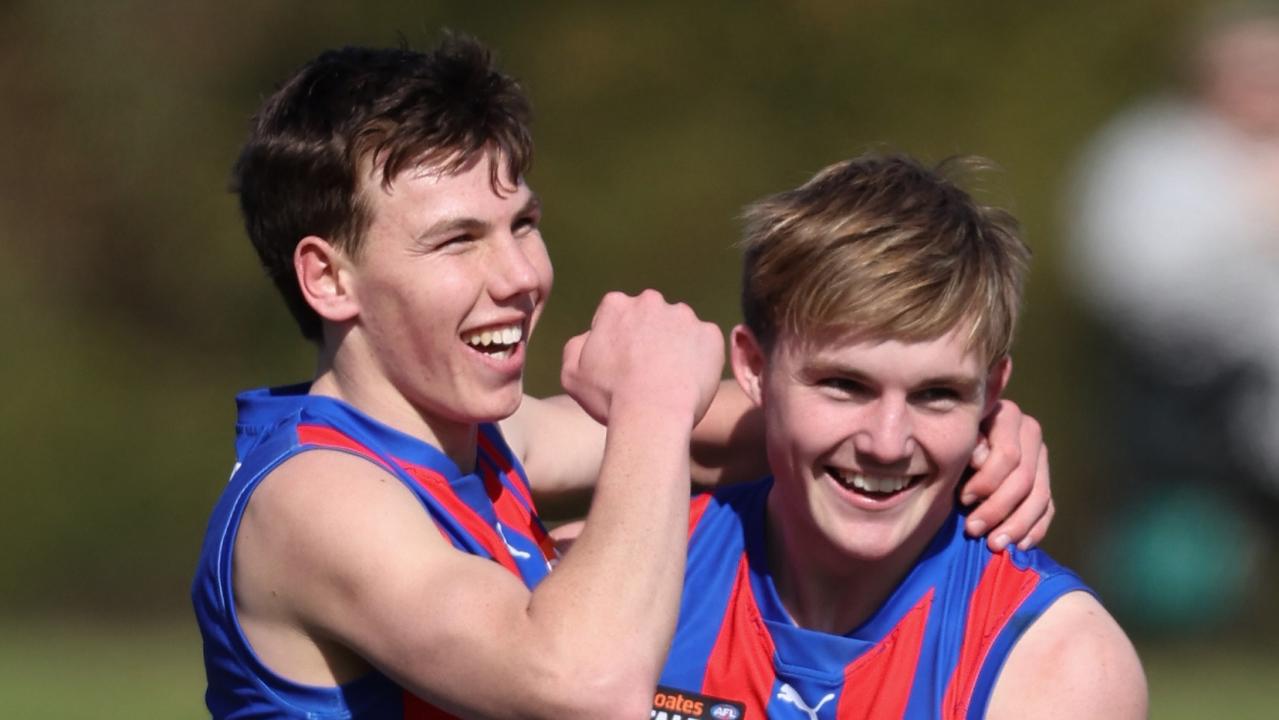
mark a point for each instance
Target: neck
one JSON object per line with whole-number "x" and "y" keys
{"x": 375, "y": 395}
{"x": 821, "y": 586}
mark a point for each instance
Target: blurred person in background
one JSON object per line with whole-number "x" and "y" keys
{"x": 1175, "y": 252}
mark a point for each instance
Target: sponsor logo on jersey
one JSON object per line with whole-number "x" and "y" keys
{"x": 672, "y": 704}
{"x": 725, "y": 711}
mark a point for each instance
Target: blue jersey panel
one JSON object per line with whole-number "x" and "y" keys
{"x": 933, "y": 649}
{"x": 478, "y": 512}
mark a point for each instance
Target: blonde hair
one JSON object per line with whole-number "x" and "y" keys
{"x": 883, "y": 247}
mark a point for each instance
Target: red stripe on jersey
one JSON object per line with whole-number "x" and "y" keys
{"x": 510, "y": 511}
{"x": 514, "y": 514}
{"x": 877, "y": 684}
{"x": 499, "y": 459}
{"x": 435, "y": 485}
{"x": 696, "y": 507}
{"x": 1002, "y": 588}
{"x": 741, "y": 663}
{"x": 328, "y": 437}
{"x": 416, "y": 708}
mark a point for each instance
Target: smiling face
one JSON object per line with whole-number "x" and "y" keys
{"x": 449, "y": 282}
{"x": 866, "y": 439}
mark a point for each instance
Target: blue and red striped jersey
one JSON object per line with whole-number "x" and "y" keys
{"x": 932, "y": 650}
{"x": 488, "y": 513}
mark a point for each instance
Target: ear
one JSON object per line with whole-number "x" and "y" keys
{"x": 748, "y": 359}
{"x": 325, "y": 279}
{"x": 996, "y": 382}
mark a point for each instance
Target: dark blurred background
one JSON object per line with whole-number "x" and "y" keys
{"x": 135, "y": 309}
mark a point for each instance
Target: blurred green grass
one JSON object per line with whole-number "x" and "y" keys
{"x": 1196, "y": 681}
{"x": 78, "y": 669}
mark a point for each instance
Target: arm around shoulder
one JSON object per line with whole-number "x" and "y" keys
{"x": 1073, "y": 662}
{"x": 561, "y": 446}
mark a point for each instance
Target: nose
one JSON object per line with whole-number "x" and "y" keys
{"x": 887, "y": 433}
{"x": 517, "y": 268}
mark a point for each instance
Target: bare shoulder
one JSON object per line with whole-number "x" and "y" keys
{"x": 1073, "y": 662}
{"x": 320, "y": 493}
{"x": 337, "y": 558}
{"x": 311, "y": 524}
{"x": 295, "y": 546}
{"x": 332, "y": 521}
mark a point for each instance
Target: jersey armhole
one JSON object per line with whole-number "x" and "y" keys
{"x": 1049, "y": 591}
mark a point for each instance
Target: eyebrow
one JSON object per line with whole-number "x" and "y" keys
{"x": 966, "y": 384}
{"x": 963, "y": 382}
{"x": 449, "y": 226}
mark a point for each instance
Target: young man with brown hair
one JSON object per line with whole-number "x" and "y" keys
{"x": 879, "y": 303}
{"x": 377, "y": 552}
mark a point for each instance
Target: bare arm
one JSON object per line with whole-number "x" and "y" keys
{"x": 335, "y": 549}
{"x": 1073, "y": 663}
{"x": 561, "y": 447}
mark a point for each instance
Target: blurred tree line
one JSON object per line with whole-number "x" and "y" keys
{"x": 134, "y": 307}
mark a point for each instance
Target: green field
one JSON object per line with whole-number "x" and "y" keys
{"x": 76, "y": 670}
{"x": 1192, "y": 681}
{"x": 73, "y": 670}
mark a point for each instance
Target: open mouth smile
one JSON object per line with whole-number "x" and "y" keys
{"x": 497, "y": 342}
{"x": 878, "y": 487}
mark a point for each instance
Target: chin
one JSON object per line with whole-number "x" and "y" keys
{"x": 502, "y": 404}
{"x": 867, "y": 548}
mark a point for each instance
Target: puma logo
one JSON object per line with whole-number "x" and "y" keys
{"x": 514, "y": 551}
{"x": 791, "y": 695}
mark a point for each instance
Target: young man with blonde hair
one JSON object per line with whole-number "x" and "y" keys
{"x": 377, "y": 552}
{"x": 879, "y": 302}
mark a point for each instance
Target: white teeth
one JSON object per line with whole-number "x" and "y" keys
{"x": 496, "y": 336}
{"x": 872, "y": 484}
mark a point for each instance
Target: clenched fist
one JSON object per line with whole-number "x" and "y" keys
{"x": 644, "y": 350}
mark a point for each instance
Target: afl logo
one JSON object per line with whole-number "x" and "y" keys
{"x": 724, "y": 712}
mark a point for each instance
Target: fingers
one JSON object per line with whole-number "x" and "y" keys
{"x": 587, "y": 394}
{"x": 643, "y": 349}
{"x": 1016, "y": 529}
{"x": 999, "y": 452}
{"x": 572, "y": 354}
{"x": 571, "y": 361}
{"x": 981, "y": 452}
{"x": 1040, "y": 530}
{"x": 1019, "y": 508}
{"x": 1040, "y": 497}
{"x": 610, "y": 303}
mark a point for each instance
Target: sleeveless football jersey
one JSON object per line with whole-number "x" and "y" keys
{"x": 933, "y": 649}
{"x": 488, "y": 513}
